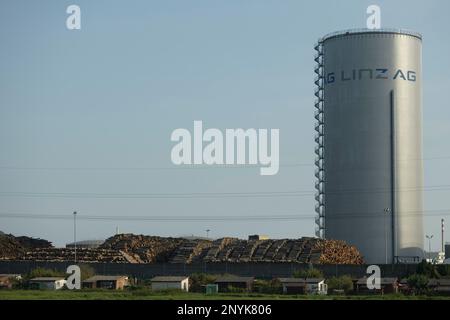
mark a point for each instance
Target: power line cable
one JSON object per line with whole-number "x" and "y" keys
{"x": 268, "y": 194}
{"x": 183, "y": 167}
{"x": 281, "y": 216}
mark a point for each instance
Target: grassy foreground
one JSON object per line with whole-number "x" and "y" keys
{"x": 175, "y": 295}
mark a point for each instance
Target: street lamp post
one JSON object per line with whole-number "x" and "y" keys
{"x": 75, "y": 234}
{"x": 386, "y": 213}
{"x": 429, "y": 237}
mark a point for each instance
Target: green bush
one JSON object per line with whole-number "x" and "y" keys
{"x": 344, "y": 283}
{"x": 199, "y": 280}
{"x": 232, "y": 289}
{"x": 418, "y": 283}
{"x": 17, "y": 284}
{"x": 137, "y": 287}
{"x": 443, "y": 270}
{"x": 427, "y": 269}
{"x": 268, "y": 286}
{"x": 86, "y": 271}
{"x": 140, "y": 291}
{"x": 42, "y": 272}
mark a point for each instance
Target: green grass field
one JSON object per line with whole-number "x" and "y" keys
{"x": 175, "y": 295}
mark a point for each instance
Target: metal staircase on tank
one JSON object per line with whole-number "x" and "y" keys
{"x": 319, "y": 139}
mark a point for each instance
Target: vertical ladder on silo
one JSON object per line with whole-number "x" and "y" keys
{"x": 319, "y": 140}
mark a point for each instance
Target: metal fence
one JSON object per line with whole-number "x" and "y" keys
{"x": 259, "y": 270}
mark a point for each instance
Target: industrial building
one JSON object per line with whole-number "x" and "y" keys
{"x": 85, "y": 244}
{"x": 447, "y": 250}
{"x": 369, "y": 142}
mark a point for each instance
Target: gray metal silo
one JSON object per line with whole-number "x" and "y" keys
{"x": 369, "y": 142}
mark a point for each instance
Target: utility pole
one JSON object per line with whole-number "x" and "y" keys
{"x": 429, "y": 237}
{"x": 386, "y": 214}
{"x": 75, "y": 234}
{"x": 442, "y": 236}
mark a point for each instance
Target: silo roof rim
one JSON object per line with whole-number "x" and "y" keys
{"x": 368, "y": 31}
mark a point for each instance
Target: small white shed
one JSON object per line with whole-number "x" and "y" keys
{"x": 170, "y": 282}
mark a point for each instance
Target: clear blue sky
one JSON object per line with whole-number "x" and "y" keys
{"x": 109, "y": 95}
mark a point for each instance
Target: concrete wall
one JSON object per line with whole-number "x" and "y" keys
{"x": 260, "y": 270}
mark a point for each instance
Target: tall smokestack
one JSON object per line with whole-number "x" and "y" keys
{"x": 442, "y": 235}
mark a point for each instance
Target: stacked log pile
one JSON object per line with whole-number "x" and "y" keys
{"x": 296, "y": 250}
{"x": 147, "y": 249}
{"x": 338, "y": 252}
{"x": 150, "y": 249}
{"x": 177, "y": 250}
{"x": 83, "y": 255}
{"x": 284, "y": 250}
{"x": 273, "y": 250}
{"x": 303, "y": 250}
{"x": 216, "y": 247}
{"x": 33, "y": 243}
{"x": 262, "y": 249}
{"x": 13, "y": 248}
{"x": 188, "y": 250}
{"x": 249, "y": 250}
{"x": 233, "y": 252}
{"x": 10, "y": 248}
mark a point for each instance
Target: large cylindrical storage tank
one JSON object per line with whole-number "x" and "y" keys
{"x": 370, "y": 111}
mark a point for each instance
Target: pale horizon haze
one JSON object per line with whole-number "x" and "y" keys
{"x": 86, "y": 115}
